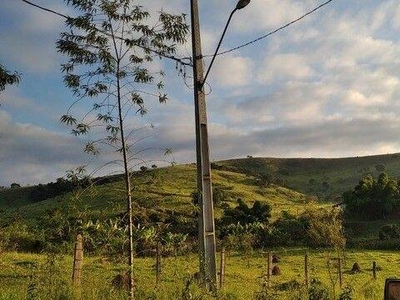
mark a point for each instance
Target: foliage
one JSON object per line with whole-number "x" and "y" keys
{"x": 288, "y": 230}
{"x": 373, "y": 199}
{"x": 241, "y": 237}
{"x": 220, "y": 196}
{"x": 389, "y": 232}
{"x": 347, "y": 293}
{"x": 111, "y": 47}
{"x": 8, "y": 78}
{"x": 325, "y": 227}
{"x": 243, "y": 214}
{"x": 18, "y": 236}
{"x": 318, "y": 291}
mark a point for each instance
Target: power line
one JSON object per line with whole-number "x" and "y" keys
{"x": 272, "y": 32}
{"x": 179, "y": 60}
{"x": 45, "y": 9}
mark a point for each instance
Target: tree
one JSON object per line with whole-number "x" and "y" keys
{"x": 111, "y": 47}
{"x": 373, "y": 199}
{"x": 6, "y": 78}
{"x": 325, "y": 227}
{"x": 243, "y": 214}
{"x": 15, "y": 185}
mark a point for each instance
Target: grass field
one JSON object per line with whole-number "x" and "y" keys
{"x": 48, "y": 277}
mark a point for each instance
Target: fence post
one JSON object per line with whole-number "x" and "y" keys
{"x": 78, "y": 261}
{"x": 339, "y": 260}
{"x": 222, "y": 269}
{"x": 374, "y": 269}
{"x": 158, "y": 264}
{"x": 269, "y": 268}
{"x": 306, "y": 269}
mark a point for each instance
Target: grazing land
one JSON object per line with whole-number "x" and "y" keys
{"x": 44, "y": 219}
{"x": 48, "y": 277}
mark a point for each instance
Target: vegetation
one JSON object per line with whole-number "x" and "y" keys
{"x": 252, "y": 216}
{"x": 48, "y": 276}
{"x": 111, "y": 47}
{"x": 373, "y": 199}
{"x": 8, "y": 78}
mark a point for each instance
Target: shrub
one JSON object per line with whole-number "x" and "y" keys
{"x": 318, "y": 291}
{"x": 389, "y": 232}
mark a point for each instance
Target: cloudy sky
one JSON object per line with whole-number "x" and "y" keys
{"x": 327, "y": 86}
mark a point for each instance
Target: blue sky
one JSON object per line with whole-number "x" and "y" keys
{"x": 328, "y": 86}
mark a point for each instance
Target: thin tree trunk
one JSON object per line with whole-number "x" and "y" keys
{"x": 127, "y": 187}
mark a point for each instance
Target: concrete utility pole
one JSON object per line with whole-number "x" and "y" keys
{"x": 208, "y": 269}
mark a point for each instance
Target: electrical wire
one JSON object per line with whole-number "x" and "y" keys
{"x": 272, "y": 32}
{"x": 180, "y": 60}
{"x": 45, "y": 9}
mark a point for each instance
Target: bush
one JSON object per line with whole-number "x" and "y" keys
{"x": 318, "y": 291}
{"x": 19, "y": 237}
{"x": 389, "y": 232}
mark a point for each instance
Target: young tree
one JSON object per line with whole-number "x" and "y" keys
{"x": 111, "y": 47}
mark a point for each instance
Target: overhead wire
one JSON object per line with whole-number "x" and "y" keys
{"x": 183, "y": 60}
{"x": 180, "y": 60}
{"x": 272, "y": 32}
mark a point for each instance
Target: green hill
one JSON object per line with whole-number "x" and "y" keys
{"x": 293, "y": 181}
{"x": 159, "y": 191}
{"x": 325, "y": 178}
{"x": 163, "y": 194}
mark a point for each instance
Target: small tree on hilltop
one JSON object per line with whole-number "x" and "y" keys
{"x": 111, "y": 47}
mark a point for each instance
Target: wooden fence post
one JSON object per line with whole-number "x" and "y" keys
{"x": 158, "y": 264}
{"x": 374, "y": 269}
{"x": 222, "y": 269}
{"x": 306, "y": 269}
{"x": 269, "y": 268}
{"x": 339, "y": 260}
{"x": 78, "y": 261}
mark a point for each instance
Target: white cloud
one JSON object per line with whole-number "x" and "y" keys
{"x": 232, "y": 71}
{"x": 284, "y": 67}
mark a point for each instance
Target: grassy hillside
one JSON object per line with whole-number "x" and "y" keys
{"x": 317, "y": 176}
{"x": 163, "y": 193}
{"x": 155, "y": 191}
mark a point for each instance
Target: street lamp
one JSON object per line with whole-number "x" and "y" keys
{"x": 207, "y": 250}
{"x": 241, "y": 4}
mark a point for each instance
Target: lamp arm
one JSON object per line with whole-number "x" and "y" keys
{"x": 216, "y": 50}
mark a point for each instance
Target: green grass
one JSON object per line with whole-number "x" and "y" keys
{"x": 243, "y": 277}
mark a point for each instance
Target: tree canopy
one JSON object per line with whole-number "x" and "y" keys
{"x": 243, "y": 214}
{"x": 8, "y": 78}
{"x": 373, "y": 199}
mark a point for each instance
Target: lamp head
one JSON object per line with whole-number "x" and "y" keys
{"x": 242, "y": 4}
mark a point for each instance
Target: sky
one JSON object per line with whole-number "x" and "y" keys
{"x": 326, "y": 86}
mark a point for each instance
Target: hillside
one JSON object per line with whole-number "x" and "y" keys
{"x": 157, "y": 192}
{"x": 325, "y": 178}
{"x": 293, "y": 182}
{"x": 164, "y": 195}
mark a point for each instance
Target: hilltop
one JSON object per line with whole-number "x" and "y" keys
{"x": 160, "y": 191}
